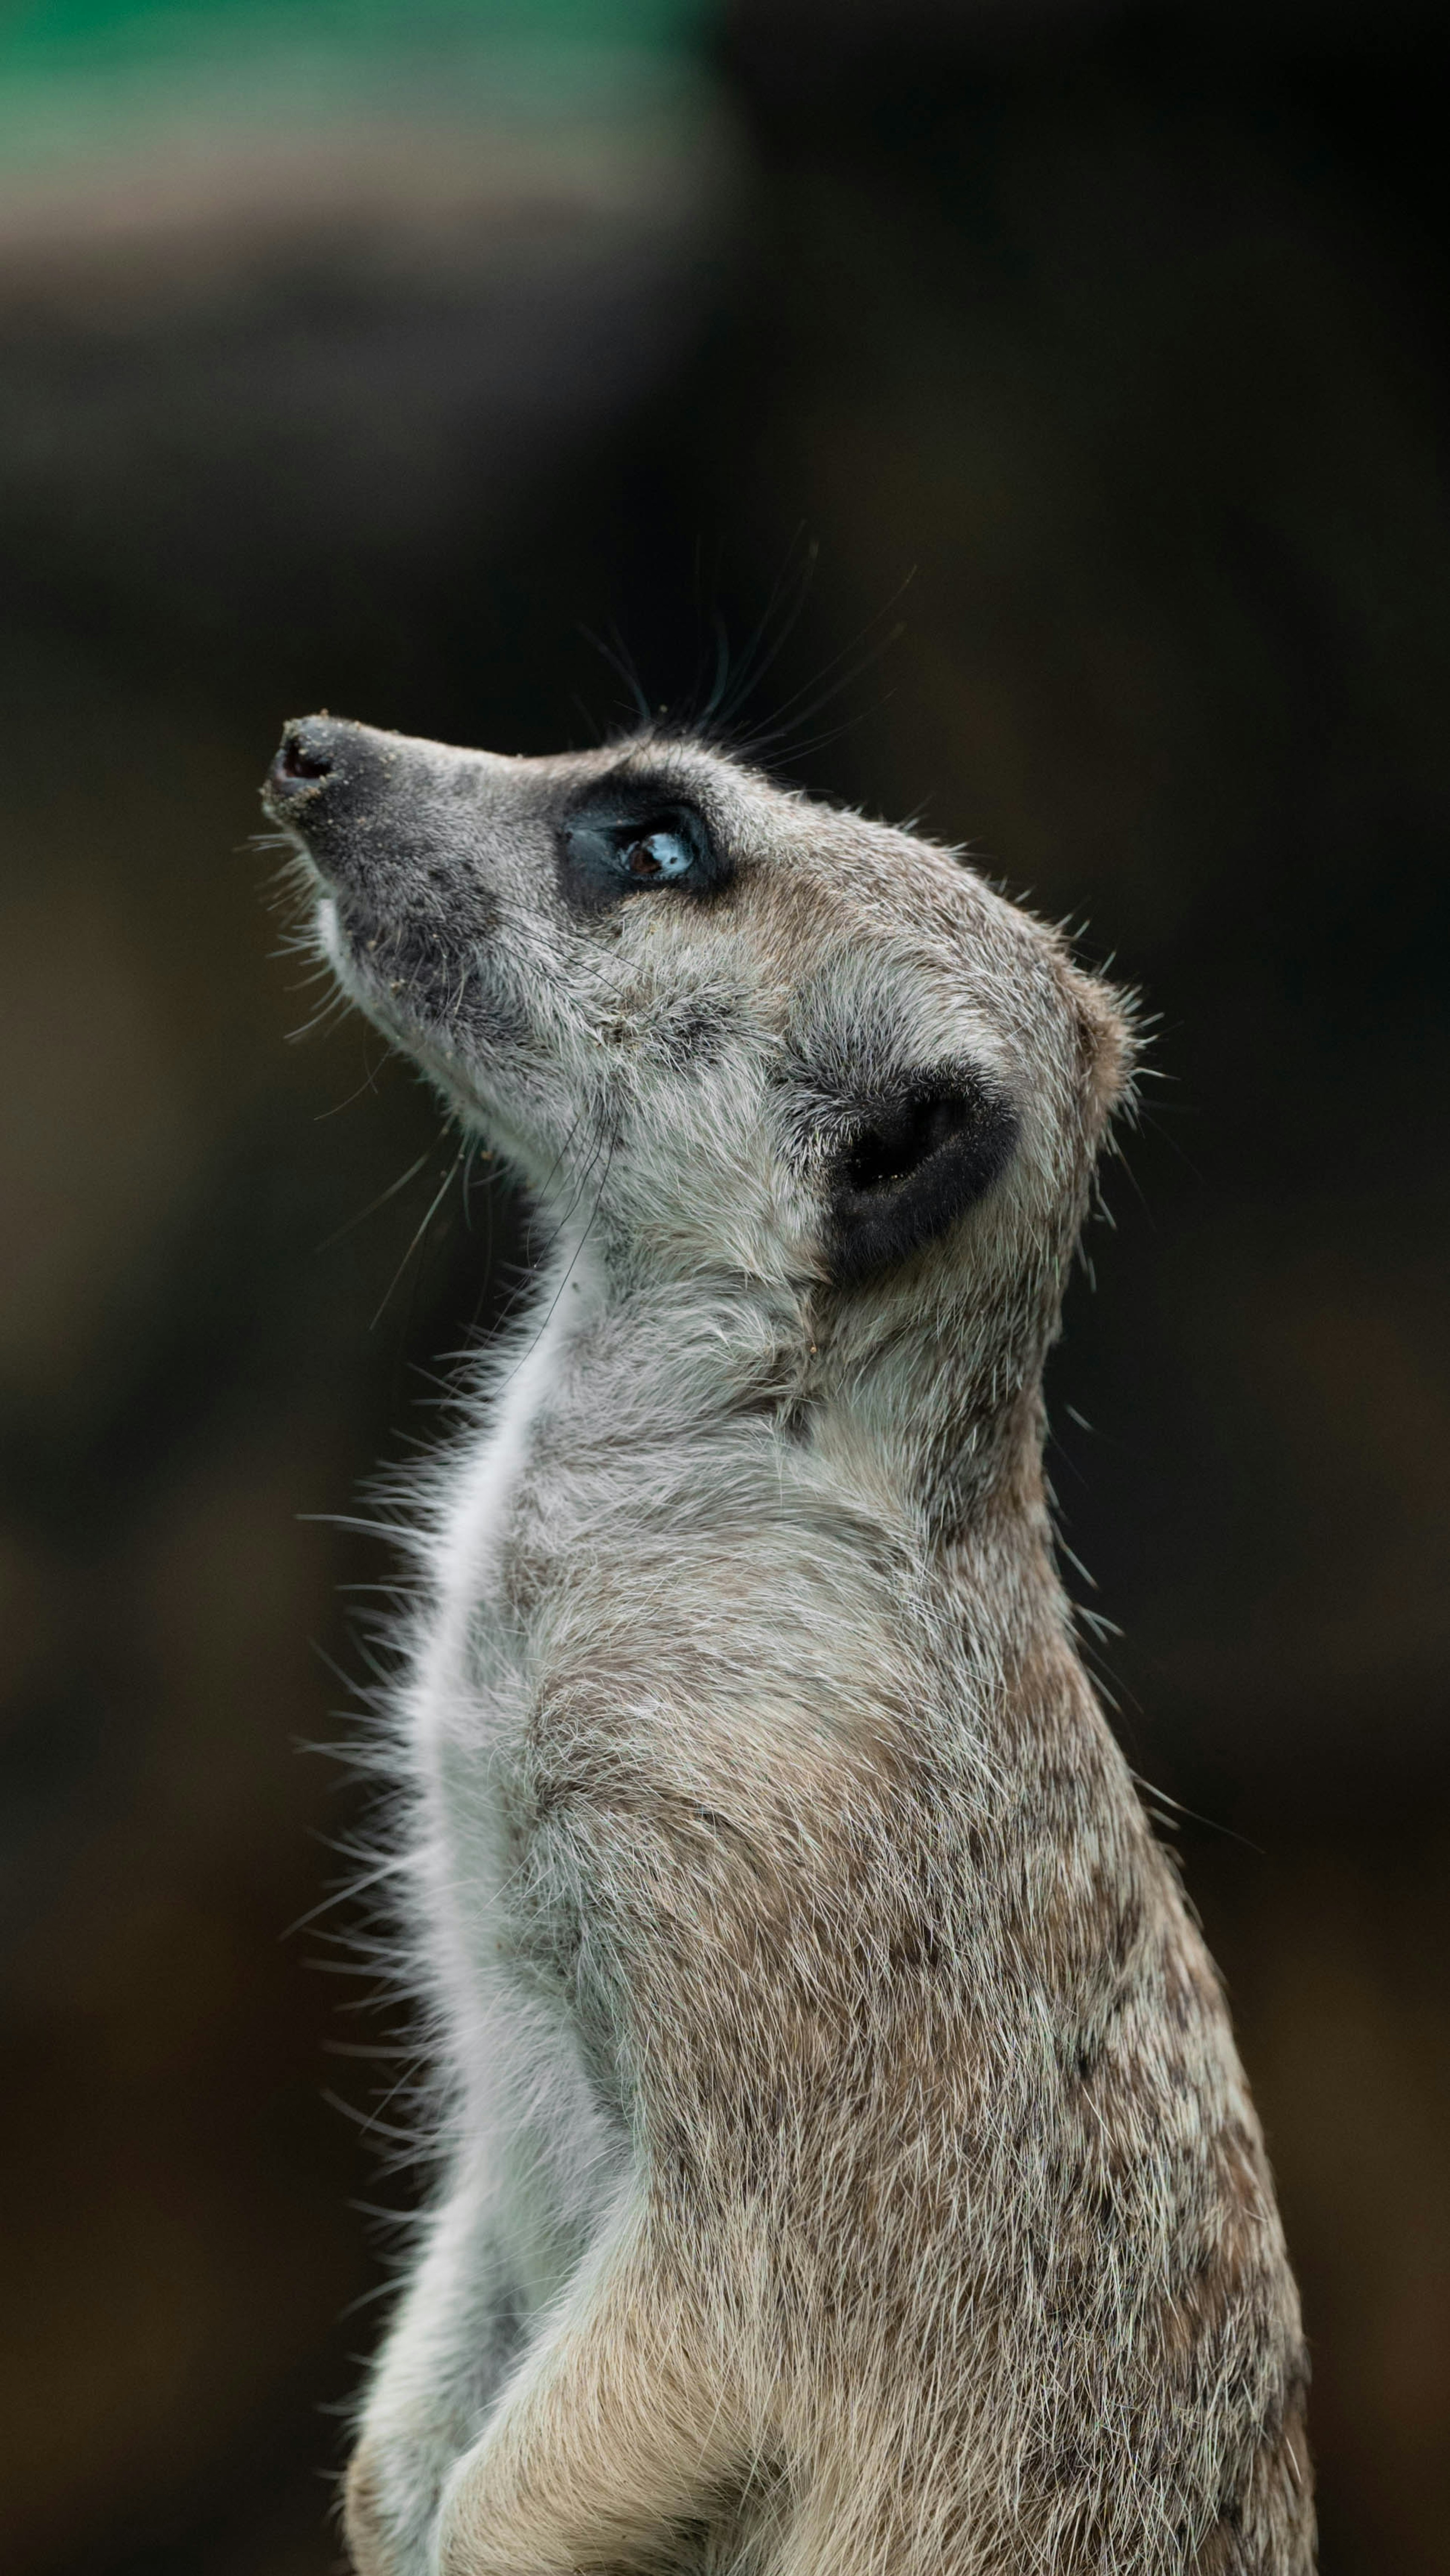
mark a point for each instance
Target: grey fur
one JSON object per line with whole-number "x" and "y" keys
{"x": 850, "y": 2170}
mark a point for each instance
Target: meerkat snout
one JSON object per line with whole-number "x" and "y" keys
{"x": 306, "y": 755}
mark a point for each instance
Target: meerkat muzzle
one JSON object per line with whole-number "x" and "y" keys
{"x": 325, "y": 785}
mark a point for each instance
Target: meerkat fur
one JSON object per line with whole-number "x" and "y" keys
{"x": 848, "y": 2170}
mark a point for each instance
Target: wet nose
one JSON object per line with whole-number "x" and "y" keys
{"x": 312, "y": 750}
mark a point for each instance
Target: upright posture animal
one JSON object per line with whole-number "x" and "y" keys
{"x": 848, "y": 2168}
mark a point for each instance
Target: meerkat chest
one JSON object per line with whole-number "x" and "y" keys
{"x": 682, "y": 1617}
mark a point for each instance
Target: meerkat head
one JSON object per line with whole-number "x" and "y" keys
{"x": 733, "y": 1032}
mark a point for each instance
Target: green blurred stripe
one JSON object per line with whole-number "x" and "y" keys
{"x": 69, "y": 35}
{"x": 78, "y": 77}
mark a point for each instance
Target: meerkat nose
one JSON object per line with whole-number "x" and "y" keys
{"x": 307, "y": 754}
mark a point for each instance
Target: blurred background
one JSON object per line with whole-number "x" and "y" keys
{"x": 365, "y": 354}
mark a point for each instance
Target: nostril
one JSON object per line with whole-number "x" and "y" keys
{"x": 302, "y": 760}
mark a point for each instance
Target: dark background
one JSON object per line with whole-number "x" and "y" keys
{"x": 1102, "y": 349}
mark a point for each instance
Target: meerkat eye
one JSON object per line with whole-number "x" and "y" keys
{"x": 660, "y": 854}
{"x": 617, "y": 844}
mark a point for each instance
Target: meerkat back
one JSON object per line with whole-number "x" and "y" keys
{"x": 845, "y": 2165}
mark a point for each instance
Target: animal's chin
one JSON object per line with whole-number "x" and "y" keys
{"x": 330, "y": 937}
{"x": 405, "y": 967}
{"x": 370, "y": 976}
{"x": 420, "y": 1014}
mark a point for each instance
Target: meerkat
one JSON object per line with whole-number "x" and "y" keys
{"x": 846, "y": 2165}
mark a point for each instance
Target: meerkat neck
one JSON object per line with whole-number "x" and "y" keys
{"x": 645, "y": 1358}
{"x": 642, "y": 1367}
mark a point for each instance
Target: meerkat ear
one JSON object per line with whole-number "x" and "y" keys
{"x": 913, "y": 1165}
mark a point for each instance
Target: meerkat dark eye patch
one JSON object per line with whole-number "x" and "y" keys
{"x": 912, "y": 1165}
{"x": 628, "y": 841}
